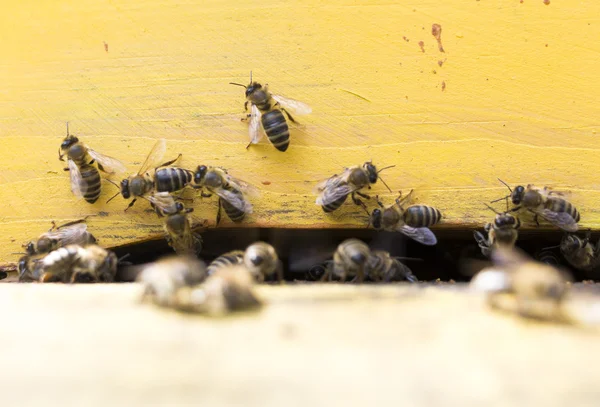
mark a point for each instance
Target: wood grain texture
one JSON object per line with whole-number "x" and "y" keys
{"x": 514, "y": 95}
{"x": 311, "y": 345}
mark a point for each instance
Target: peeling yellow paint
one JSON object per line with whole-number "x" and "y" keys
{"x": 516, "y": 97}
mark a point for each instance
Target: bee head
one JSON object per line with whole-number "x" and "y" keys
{"x": 358, "y": 258}
{"x": 125, "y": 188}
{"x": 200, "y": 174}
{"x": 68, "y": 142}
{"x": 376, "y": 218}
{"x": 22, "y": 265}
{"x": 371, "y": 172}
{"x": 260, "y": 254}
{"x": 253, "y": 87}
{"x": 517, "y": 195}
{"x": 505, "y": 219}
{"x": 570, "y": 243}
{"x": 108, "y": 268}
{"x": 44, "y": 245}
{"x": 30, "y": 248}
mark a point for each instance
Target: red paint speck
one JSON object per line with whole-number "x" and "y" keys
{"x": 266, "y": 182}
{"x": 547, "y": 2}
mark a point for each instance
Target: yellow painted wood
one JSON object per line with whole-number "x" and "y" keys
{"x": 514, "y": 95}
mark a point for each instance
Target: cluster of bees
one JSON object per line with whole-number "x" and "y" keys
{"x": 69, "y": 253}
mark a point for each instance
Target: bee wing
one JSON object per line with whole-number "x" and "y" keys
{"x": 248, "y": 189}
{"x": 234, "y": 199}
{"x": 332, "y": 182}
{"x": 107, "y": 164}
{"x": 154, "y": 157}
{"x": 163, "y": 201}
{"x": 330, "y": 195}
{"x": 293, "y": 105}
{"x": 256, "y": 133}
{"x": 561, "y": 219}
{"x": 422, "y": 235}
{"x": 73, "y": 234}
{"x": 75, "y": 179}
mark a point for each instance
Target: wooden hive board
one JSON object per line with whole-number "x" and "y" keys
{"x": 513, "y": 95}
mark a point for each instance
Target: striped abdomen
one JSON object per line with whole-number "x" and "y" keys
{"x": 171, "y": 179}
{"x": 235, "y": 214}
{"x": 90, "y": 184}
{"x": 227, "y": 259}
{"x": 332, "y": 206}
{"x": 561, "y": 205}
{"x": 58, "y": 265}
{"x": 276, "y": 128}
{"x": 418, "y": 216}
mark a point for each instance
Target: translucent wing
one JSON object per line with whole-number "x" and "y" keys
{"x": 293, "y": 105}
{"x": 422, "y": 235}
{"x": 74, "y": 234}
{"x": 107, "y": 164}
{"x": 256, "y": 134}
{"x": 75, "y": 179}
{"x": 330, "y": 195}
{"x": 234, "y": 199}
{"x": 248, "y": 189}
{"x": 164, "y": 202}
{"x": 561, "y": 219}
{"x": 156, "y": 154}
{"x": 333, "y": 181}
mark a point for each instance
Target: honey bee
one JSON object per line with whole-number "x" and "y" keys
{"x": 413, "y": 221}
{"x": 547, "y": 256}
{"x": 59, "y": 236}
{"x": 266, "y": 109}
{"x": 334, "y": 191}
{"x": 259, "y": 258}
{"x": 165, "y": 179}
{"x": 545, "y": 203}
{"x": 231, "y": 191}
{"x": 181, "y": 236}
{"x": 229, "y": 289}
{"x": 580, "y": 253}
{"x": 504, "y": 230}
{"x": 382, "y": 267}
{"x": 161, "y": 279}
{"x": 350, "y": 259}
{"x": 85, "y": 178}
{"x": 537, "y": 290}
{"x": 70, "y": 264}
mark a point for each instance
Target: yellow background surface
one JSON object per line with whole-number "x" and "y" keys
{"x": 514, "y": 95}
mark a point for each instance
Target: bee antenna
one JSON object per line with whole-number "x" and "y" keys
{"x": 499, "y": 199}
{"x": 250, "y": 76}
{"x": 67, "y": 129}
{"x": 509, "y": 188}
{"x": 551, "y": 247}
{"x": 238, "y": 84}
{"x": 492, "y": 209}
{"x": 384, "y": 168}
{"x": 120, "y": 259}
{"x": 113, "y": 197}
{"x": 386, "y": 185}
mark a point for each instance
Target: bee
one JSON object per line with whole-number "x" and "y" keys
{"x": 231, "y": 191}
{"x": 259, "y": 258}
{"x": 181, "y": 236}
{"x": 383, "y": 267}
{"x": 334, "y": 191}
{"x": 504, "y": 230}
{"x": 580, "y": 253}
{"x": 161, "y": 279}
{"x": 536, "y": 289}
{"x": 350, "y": 259}
{"x": 165, "y": 179}
{"x": 27, "y": 267}
{"x": 547, "y": 256}
{"x": 267, "y": 109}
{"x": 413, "y": 221}
{"x": 545, "y": 203}
{"x": 71, "y": 264}
{"x": 229, "y": 289}
{"x": 59, "y": 236}
{"x": 85, "y": 178}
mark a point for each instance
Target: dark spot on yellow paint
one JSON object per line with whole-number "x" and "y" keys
{"x": 266, "y": 182}
{"x": 440, "y": 63}
{"x": 422, "y": 45}
{"x": 405, "y": 39}
{"x": 436, "y": 31}
{"x": 547, "y": 2}
{"x": 105, "y": 46}
{"x": 443, "y": 86}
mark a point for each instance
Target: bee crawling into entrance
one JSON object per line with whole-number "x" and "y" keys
{"x": 266, "y": 111}
{"x": 503, "y": 231}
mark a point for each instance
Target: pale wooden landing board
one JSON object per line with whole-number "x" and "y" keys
{"x": 326, "y": 345}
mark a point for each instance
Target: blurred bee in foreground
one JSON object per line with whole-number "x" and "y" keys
{"x": 267, "y": 109}
{"x": 383, "y": 267}
{"x": 259, "y": 258}
{"x": 231, "y": 191}
{"x": 85, "y": 178}
{"x": 413, "y": 221}
{"x": 162, "y": 278}
{"x": 580, "y": 253}
{"x": 182, "y": 234}
{"x": 349, "y": 260}
{"x": 165, "y": 179}
{"x": 520, "y": 284}
{"x": 545, "y": 203}
{"x": 503, "y": 231}
{"x": 70, "y": 264}
{"x": 60, "y": 236}
{"x": 334, "y": 191}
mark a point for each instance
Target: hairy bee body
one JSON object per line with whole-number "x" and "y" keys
{"x": 557, "y": 204}
{"x": 333, "y": 205}
{"x": 276, "y": 128}
{"x": 180, "y": 235}
{"x": 503, "y": 231}
{"x": 382, "y": 267}
{"x": 580, "y": 253}
{"x": 70, "y": 233}
{"x": 90, "y": 183}
{"x": 172, "y": 179}
{"x": 74, "y": 264}
{"x": 418, "y": 216}
{"x": 350, "y": 259}
{"x": 228, "y": 259}
{"x": 234, "y": 213}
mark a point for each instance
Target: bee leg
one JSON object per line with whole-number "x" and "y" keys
{"x": 362, "y": 195}
{"x": 248, "y": 146}
{"x": 289, "y": 116}
{"x": 218, "y": 220}
{"x": 205, "y": 194}
{"x": 535, "y": 219}
{"x": 378, "y": 201}
{"x": 246, "y": 106}
{"x": 130, "y": 204}
{"x": 60, "y": 155}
